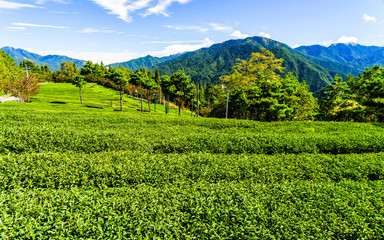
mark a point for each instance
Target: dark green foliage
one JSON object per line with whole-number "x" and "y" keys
{"x": 360, "y": 98}
{"x": 8, "y": 71}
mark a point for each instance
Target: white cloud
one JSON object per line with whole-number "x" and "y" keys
{"x": 345, "y": 39}
{"x": 342, "y": 39}
{"x": 89, "y": 30}
{"x": 238, "y": 34}
{"x": 173, "y": 42}
{"x": 296, "y": 46}
{"x": 15, "y": 29}
{"x": 220, "y": 27}
{"x": 327, "y": 44}
{"x": 37, "y": 25}
{"x": 161, "y": 7}
{"x": 125, "y": 8}
{"x": 266, "y": 35}
{"x": 368, "y": 18}
{"x": 182, "y": 28}
{"x": 57, "y": 1}
{"x": 13, "y": 5}
{"x": 180, "y": 48}
{"x": 102, "y": 30}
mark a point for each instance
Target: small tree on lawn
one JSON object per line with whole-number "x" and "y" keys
{"x": 79, "y": 82}
{"x": 181, "y": 82}
{"x": 120, "y": 78}
{"x": 24, "y": 87}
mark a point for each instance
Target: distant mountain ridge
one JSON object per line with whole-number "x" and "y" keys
{"x": 351, "y": 54}
{"x": 317, "y": 65}
{"x": 144, "y": 62}
{"x": 207, "y": 65}
{"x": 53, "y": 61}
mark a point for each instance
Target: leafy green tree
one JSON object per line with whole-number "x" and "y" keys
{"x": 168, "y": 89}
{"x": 79, "y": 82}
{"x": 181, "y": 81}
{"x": 95, "y": 73}
{"x": 262, "y": 68}
{"x": 215, "y": 98}
{"x": 23, "y": 87}
{"x": 138, "y": 79}
{"x": 340, "y": 102}
{"x": 66, "y": 73}
{"x": 259, "y": 92}
{"x": 121, "y": 80}
{"x": 190, "y": 96}
{"x": 150, "y": 84}
{"x": 8, "y": 71}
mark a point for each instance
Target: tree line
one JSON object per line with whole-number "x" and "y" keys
{"x": 254, "y": 90}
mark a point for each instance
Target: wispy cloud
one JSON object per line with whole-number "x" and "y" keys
{"x": 210, "y": 27}
{"x": 162, "y": 6}
{"x": 192, "y": 28}
{"x": 220, "y": 27}
{"x": 370, "y": 19}
{"x": 13, "y": 5}
{"x": 15, "y": 29}
{"x": 56, "y": 1}
{"x": 125, "y": 8}
{"x": 102, "y": 30}
{"x": 37, "y": 25}
{"x": 62, "y": 12}
{"x": 175, "y": 42}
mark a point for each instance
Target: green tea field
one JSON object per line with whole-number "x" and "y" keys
{"x": 72, "y": 171}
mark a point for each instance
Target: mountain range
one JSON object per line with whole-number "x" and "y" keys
{"x": 351, "y": 54}
{"x": 52, "y": 61}
{"x": 144, "y": 62}
{"x": 317, "y": 65}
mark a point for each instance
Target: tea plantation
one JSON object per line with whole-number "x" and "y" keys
{"x": 71, "y": 171}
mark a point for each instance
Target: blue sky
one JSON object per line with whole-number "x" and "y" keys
{"x": 119, "y": 30}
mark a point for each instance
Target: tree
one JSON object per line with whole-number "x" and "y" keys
{"x": 138, "y": 78}
{"x": 360, "y": 98}
{"x": 181, "y": 81}
{"x": 8, "y": 71}
{"x": 259, "y": 92}
{"x": 149, "y": 84}
{"x": 66, "y": 73}
{"x": 120, "y": 78}
{"x": 262, "y": 68}
{"x": 24, "y": 87}
{"x": 79, "y": 82}
{"x": 94, "y": 73}
{"x": 168, "y": 89}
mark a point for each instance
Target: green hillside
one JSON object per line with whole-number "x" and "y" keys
{"x": 209, "y": 64}
{"x": 71, "y": 171}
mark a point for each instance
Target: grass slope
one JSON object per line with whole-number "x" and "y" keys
{"x": 68, "y": 171}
